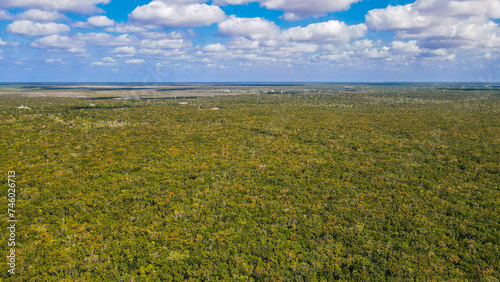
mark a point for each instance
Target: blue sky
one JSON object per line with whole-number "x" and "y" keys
{"x": 244, "y": 40}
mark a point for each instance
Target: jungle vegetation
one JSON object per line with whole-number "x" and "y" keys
{"x": 300, "y": 186}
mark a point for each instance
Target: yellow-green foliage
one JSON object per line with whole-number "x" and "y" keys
{"x": 311, "y": 187}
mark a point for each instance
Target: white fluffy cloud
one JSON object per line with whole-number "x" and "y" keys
{"x": 463, "y": 8}
{"x": 269, "y": 34}
{"x": 164, "y": 43}
{"x": 396, "y": 18}
{"x": 39, "y": 15}
{"x": 214, "y": 48}
{"x": 31, "y": 28}
{"x": 326, "y": 32}
{"x": 442, "y": 24}
{"x": 409, "y": 47}
{"x": 296, "y": 9}
{"x": 125, "y": 51}
{"x": 172, "y": 45}
{"x": 3, "y": 43}
{"x": 358, "y": 52}
{"x": 57, "y": 42}
{"x": 109, "y": 60}
{"x": 78, "y": 42}
{"x": 77, "y": 6}
{"x": 170, "y": 54}
{"x": 5, "y": 15}
{"x": 443, "y": 31}
{"x": 100, "y": 21}
{"x": 135, "y": 61}
{"x": 162, "y": 35}
{"x": 259, "y": 41}
{"x": 296, "y": 47}
{"x": 125, "y": 28}
{"x": 177, "y": 14}
{"x": 97, "y": 21}
{"x": 103, "y": 39}
{"x": 254, "y": 28}
{"x": 243, "y": 43}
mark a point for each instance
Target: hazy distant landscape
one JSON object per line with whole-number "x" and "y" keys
{"x": 253, "y": 182}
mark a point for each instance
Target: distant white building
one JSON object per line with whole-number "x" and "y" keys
{"x": 23, "y": 107}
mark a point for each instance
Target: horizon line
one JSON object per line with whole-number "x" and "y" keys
{"x": 256, "y": 82}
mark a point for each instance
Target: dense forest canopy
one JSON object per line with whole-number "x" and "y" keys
{"x": 281, "y": 183}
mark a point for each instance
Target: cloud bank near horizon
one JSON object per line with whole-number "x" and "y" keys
{"x": 245, "y": 40}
